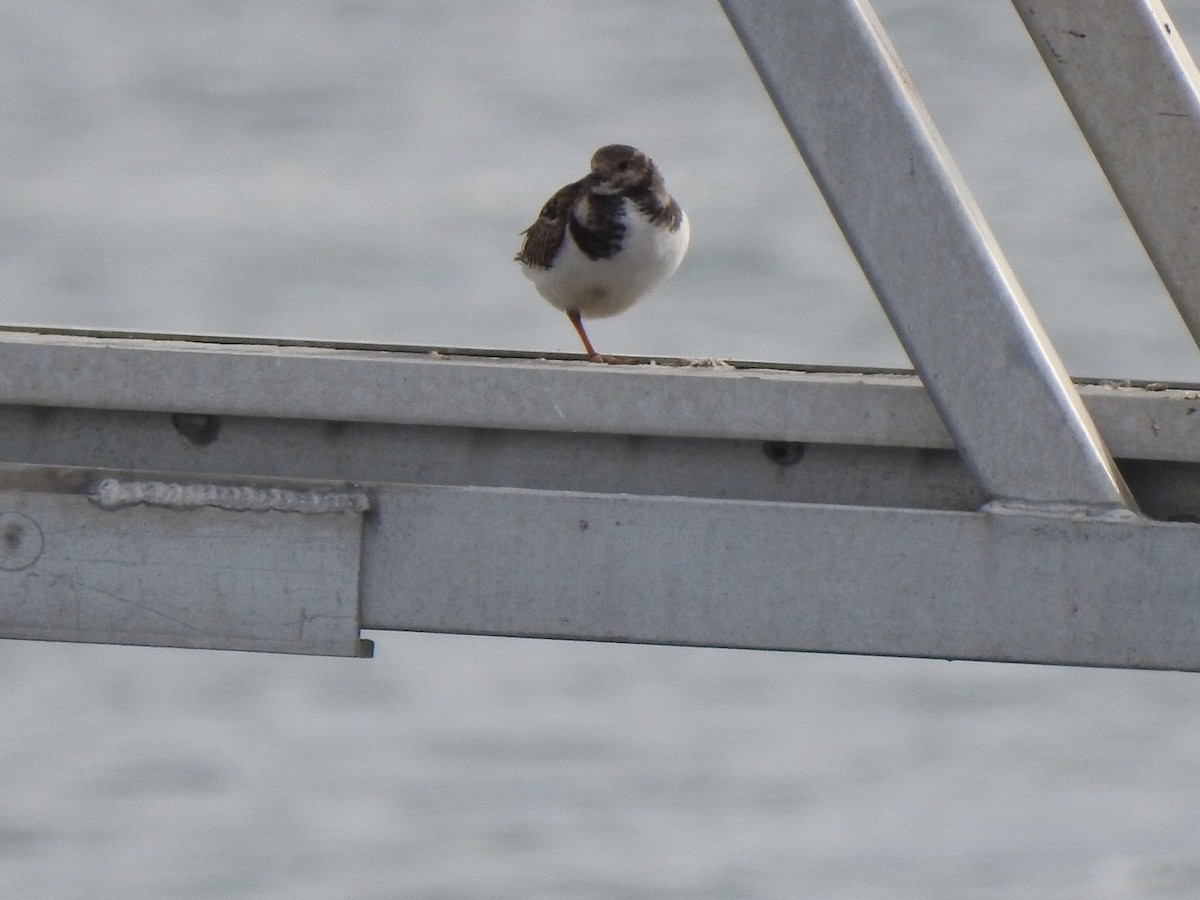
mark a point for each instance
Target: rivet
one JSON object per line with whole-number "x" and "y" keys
{"x": 784, "y": 453}
{"x": 21, "y": 541}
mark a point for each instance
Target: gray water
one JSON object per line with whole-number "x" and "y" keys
{"x": 359, "y": 170}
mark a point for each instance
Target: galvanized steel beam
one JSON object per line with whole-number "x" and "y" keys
{"x": 1135, "y": 92}
{"x": 675, "y": 570}
{"x": 742, "y": 529}
{"x": 923, "y": 244}
{"x": 1155, "y": 428}
{"x": 102, "y": 556}
{"x": 282, "y": 380}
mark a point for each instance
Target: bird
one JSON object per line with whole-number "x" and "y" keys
{"x": 602, "y": 243}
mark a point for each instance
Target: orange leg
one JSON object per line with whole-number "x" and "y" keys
{"x": 577, "y": 321}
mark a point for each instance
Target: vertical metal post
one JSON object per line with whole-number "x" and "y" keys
{"x": 927, "y": 252}
{"x": 1132, "y": 87}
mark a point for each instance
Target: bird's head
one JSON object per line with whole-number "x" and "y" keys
{"x": 619, "y": 167}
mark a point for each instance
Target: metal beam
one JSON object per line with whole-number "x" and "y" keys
{"x": 935, "y": 266}
{"x": 1153, "y": 428}
{"x": 784, "y": 576}
{"x": 1135, "y": 92}
{"x": 770, "y": 507}
{"x": 57, "y": 371}
{"x": 84, "y": 560}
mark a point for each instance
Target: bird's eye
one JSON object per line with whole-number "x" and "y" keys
{"x": 623, "y": 166}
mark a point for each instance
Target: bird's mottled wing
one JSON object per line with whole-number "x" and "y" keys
{"x": 659, "y": 207}
{"x": 545, "y": 236}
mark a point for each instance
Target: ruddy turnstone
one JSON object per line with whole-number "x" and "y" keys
{"x": 602, "y": 243}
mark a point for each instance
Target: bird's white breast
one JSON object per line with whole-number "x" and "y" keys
{"x": 649, "y": 254}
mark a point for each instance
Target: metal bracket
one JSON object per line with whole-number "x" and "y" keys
{"x": 234, "y": 565}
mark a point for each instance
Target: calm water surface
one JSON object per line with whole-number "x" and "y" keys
{"x": 360, "y": 170}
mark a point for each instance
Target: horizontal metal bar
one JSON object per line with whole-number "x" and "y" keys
{"x": 746, "y": 469}
{"x": 364, "y": 452}
{"x": 414, "y": 387}
{"x": 1135, "y": 92}
{"x": 430, "y": 388}
{"x": 783, "y": 576}
{"x": 923, "y": 244}
{"x": 620, "y": 567}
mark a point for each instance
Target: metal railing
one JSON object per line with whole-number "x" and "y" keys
{"x": 277, "y": 496}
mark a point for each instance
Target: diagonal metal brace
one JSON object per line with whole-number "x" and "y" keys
{"x": 1135, "y": 92}
{"x": 924, "y": 246}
